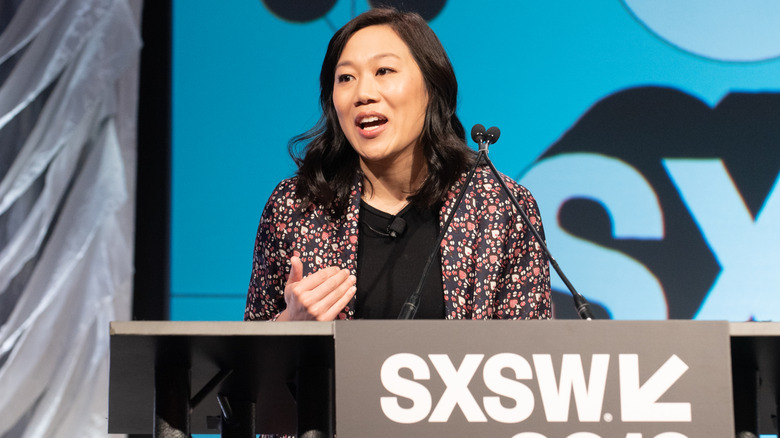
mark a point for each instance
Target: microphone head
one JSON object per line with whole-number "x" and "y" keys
{"x": 478, "y": 133}
{"x": 492, "y": 134}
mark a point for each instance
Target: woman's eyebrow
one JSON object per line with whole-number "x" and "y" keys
{"x": 375, "y": 57}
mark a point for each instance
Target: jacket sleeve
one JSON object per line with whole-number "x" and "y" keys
{"x": 524, "y": 286}
{"x": 270, "y": 261}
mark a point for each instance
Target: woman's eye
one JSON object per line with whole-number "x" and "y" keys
{"x": 343, "y": 78}
{"x": 384, "y": 71}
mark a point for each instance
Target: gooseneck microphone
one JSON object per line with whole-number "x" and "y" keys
{"x": 484, "y": 138}
{"x": 478, "y": 133}
{"x": 580, "y": 303}
{"x": 492, "y": 135}
{"x": 409, "y": 309}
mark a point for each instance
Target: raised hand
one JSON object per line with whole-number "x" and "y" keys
{"x": 319, "y": 296}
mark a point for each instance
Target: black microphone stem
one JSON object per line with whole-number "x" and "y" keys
{"x": 409, "y": 309}
{"x": 581, "y": 304}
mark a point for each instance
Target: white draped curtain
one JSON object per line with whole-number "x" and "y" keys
{"x": 68, "y": 94}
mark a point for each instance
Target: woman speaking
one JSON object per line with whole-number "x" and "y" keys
{"x": 377, "y": 178}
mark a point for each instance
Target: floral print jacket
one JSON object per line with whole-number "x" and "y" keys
{"x": 492, "y": 266}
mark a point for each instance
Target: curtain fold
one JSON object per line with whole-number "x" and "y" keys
{"x": 67, "y": 178}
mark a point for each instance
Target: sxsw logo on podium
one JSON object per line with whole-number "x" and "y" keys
{"x": 534, "y": 379}
{"x": 506, "y": 395}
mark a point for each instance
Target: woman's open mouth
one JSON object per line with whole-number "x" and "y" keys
{"x": 370, "y": 124}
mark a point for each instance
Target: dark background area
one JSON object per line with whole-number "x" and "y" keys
{"x": 151, "y": 288}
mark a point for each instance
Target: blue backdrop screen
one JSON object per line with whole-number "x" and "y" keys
{"x": 649, "y": 133}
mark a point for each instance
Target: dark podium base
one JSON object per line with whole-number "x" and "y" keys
{"x": 197, "y": 364}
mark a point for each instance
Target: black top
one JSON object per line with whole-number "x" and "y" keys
{"x": 389, "y": 268}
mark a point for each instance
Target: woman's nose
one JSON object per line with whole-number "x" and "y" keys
{"x": 366, "y": 92}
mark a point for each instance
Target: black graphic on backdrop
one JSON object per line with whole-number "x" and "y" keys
{"x": 642, "y": 126}
{"x": 428, "y": 9}
{"x": 304, "y": 11}
{"x": 299, "y": 11}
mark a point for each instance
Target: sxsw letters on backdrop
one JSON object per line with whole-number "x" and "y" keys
{"x": 659, "y": 196}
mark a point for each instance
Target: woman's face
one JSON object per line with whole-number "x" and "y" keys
{"x": 380, "y": 97}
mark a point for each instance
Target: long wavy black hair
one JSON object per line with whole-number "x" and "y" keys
{"x": 327, "y": 163}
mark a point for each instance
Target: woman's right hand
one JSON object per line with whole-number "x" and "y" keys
{"x": 320, "y": 296}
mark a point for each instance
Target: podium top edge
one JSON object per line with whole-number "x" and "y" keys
{"x": 754, "y": 328}
{"x": 221, "y": 328}
{"x": 314, "y": 328}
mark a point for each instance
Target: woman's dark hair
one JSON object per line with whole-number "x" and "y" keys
{"x": 328, "y": 165}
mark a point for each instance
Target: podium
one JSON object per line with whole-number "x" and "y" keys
{"x": 520, "y": 379}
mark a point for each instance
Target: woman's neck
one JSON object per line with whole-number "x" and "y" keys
{"x": 387, "y": 187}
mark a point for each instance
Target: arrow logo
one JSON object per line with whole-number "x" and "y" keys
{"x": 640, "y": 403}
